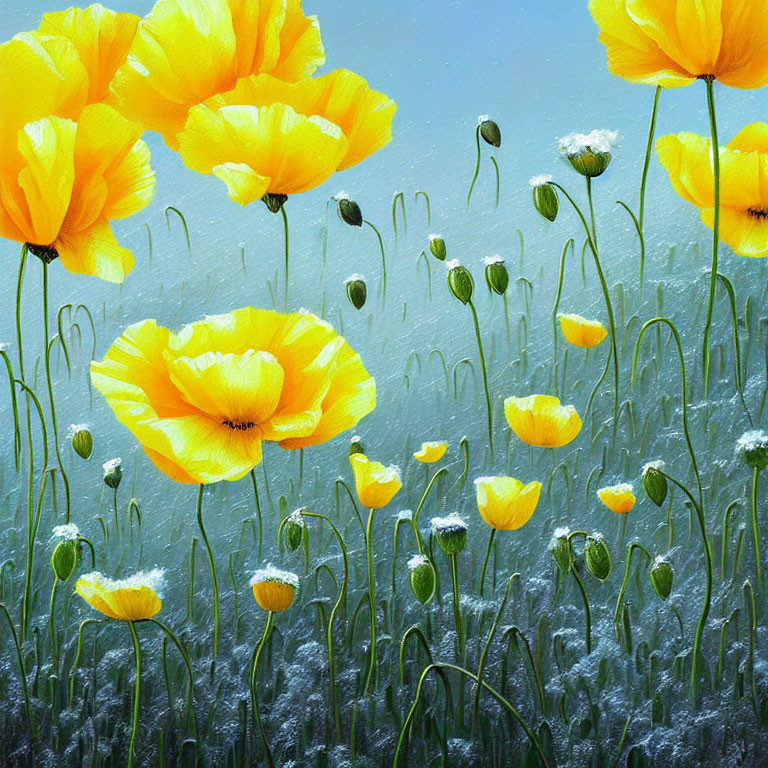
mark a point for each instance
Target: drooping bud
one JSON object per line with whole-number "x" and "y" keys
{"x": 274, "y": 201}
{"x": 560, "y": 549}
{"x": 589, "y": 154}
{"x": 294, "y": 531}
{"x": 545, "y": 198}
{"x": 422, "y": 578}
{"x": 655, "y": 482}
{"x": 490, "y": 131}
{"x": 451, "y": 533}
{"x": 662, "y": 577}
{"x": 597, "y": 556}
{"x": 66, "y": 558}
{"x": 356, "y": 445}
{"x": 460, "y": 281}
{"x": 437, "y": 247}
{"x": 496, "y": 275}
{"x": 113, "y": 472}
{"x": 753, "y": 448}
{"x": 81, "y": 439}
{"x": 357, "y": 292}
{"x": 348, "y": 210}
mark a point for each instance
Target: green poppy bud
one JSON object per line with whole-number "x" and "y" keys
{"x": 357, "y": 292}
{"x": 451, "y": 533}
{"x": 589, "y": 154}
{"x": 654, "y": 482}
{"x": 437, "y": 247}
{"x": 560, "y": 549}
{"x": 82, "y": 440}
{"x": 294, "y": 531}
{"x": 349, "y": 211}
{"x": 67, "y": 554}
{"x": 597, "y": 556}
{"x": 274, "y": 201}
{"x": 355, "y": 445}
{"x": 422, "y": 578}
{"x": 490, "y": 131}
{"x": 545, "y": 198}
{"x": 113, "y": 472}
{"x": 496, "y": 275}
{"x": 753, "y": 448}
{"x": 460, "y": 281}
{"x": 662, "y": 576}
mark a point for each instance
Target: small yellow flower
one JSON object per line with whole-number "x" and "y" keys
{"x": 274, "y": 589}
{"x": 618, "y": 498}
{"x": 743, "y": 183}
{"x": 375, "y": 484}
{"x": 202, "y": 401}
{"x": 582, "y": 332}
{"x": 541, "y": 420}
{"x": 672, "y": 43}
{"x": 505, "y": 503}
{"x": 136, "y": 598}
{"x": 429, "y": 453}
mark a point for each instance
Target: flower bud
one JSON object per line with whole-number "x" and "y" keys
{"x": 294, "y": 531}
{"x": 597, "y": 556}
{"x": 460, "y": 281}
{"x": 66, "y": 558}
{"x": 357, "y": 292}
{"x": 451, "y": 533}
{"x": 490, "y": 131}
{"x": 437, "y": 247}
{"x": 274, "y": 201}
{"x": 545, "y": 198}
{"x": 422, "y": 578}
{"x": 662, "y": 576}
{"x": 82, "y": 440}
{"x": 113, "y": 472}
{"x": 654, "y": 482}
{"x": 349, "y": 211}
{"x": 356, "y": 445}
{"x": 589, "y": 154}
{"x": 496, "y": 275}
{"x": 753, "y": 448}
{"x": 560, "y": 549}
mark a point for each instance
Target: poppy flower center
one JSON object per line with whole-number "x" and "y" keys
{"x": 43, "y": 252}
{"x": 761, "y": 214}
{"x": 242, "y": 426}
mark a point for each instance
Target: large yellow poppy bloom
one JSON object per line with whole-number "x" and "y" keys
{"x": 673, "y": 42}
{"x": 541, "y": 420}
{"x": 201, "y": 401}
{"x": 269, "y": 136}
{"x": 376, "y": 485}
{"x": 186, "y": 51}
{"x": 136, "y": 598}
{"x": 743, "y": 183}
{"x": 505, "y": 503}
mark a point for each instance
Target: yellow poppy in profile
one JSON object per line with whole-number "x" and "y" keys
{"x": 274, "y": 589}
{"x": 505, "y": 503}
{"x": 743, "y": 183}
{"x": 541, "y": 420}
{"x": 673, "y": 42}
{"x": 376, "y": 485}
{"x": 186, "y": 51}
{"x": 269, "y": 136}
{"x": 201, "y": 401}
{"x": 431, "y": 452}
{"x": 582, "y": 332}
{"x": 62, "y": 182}
{"x": 618, "y": 498}
{"x": 137, "y": 598}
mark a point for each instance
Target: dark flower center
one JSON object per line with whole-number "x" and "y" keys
{"x": 761, "y": 214}
{"x": 242, "y": 426}
{"x": 43, "y": 252}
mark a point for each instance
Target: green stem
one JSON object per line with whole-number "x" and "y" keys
{"x": 617, "y": 615}
{"x": 22, "y": 672}
{"x": 254, "y": 689}
{"x": 136, "y": 693}
{"x": 487, "y": 558}
{"x": 477, "y": 166}
{"x": 485, "y": 375}
{"x": 370, "y": 674}
{"x": 258, "y": 509}
{"x": 286, "y": 239}
{"x": 755, "y": 530}
{"x": 582, "y": 589}
{"x": 383, "y": 260}
{"x": 52, "y": 627}
{"x": 647, "y": 164}
{"x": 212, "y": 563}
{"x": 556, "y": 306}
{"x": 422, "y": 502}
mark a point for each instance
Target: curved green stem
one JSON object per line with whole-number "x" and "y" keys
{"x": 477, "y": 166}
{"x": 422, "y": 502}
{"x": 22, "y": 673}
{"x": 498, "y": 179}
{"x": 556, "y": 305}
{"x": 254, "y": 678}
{"x": 212, "y": 563}
{"x": 622, "y": 592}
{"x": 136, "y": 693}
{"x": 485, "y": 375}
{"x": 487, "y": 558}
{"x": 258, "y": 509}
{"x": 755, "y": 530}
{"x": 383, "y": 259}
{"x": 286, "y": 240}
{"x": 370, "y": 675}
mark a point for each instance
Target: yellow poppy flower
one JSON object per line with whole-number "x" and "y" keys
{"x": 62, "y": 182}
{"x": 431, "y": 452}
{"x": 618, "y": 498}
{"x": 541, "y": 420}
{"x": 671, "y": 44}
{"x": 186, "y": 51}
{"x": 267, "y": 135}
{"x": 505, "y": 503}
{"x": 582, "y": 332}
{"x": 136, "y": 598}
{"x": 274, "y": 589}
{"x": 375, "y": 484}
{"x": 201, "y": 401}
{"x": 743, "y": 183}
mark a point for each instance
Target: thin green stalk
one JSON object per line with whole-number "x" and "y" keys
{"x": 22, "y": 673}
{"x": 136, "y": 693}
{"x": 755, "y": 530}
{"x": 76, "y": 661}
{"x": 647, "y": 161}
{"x": 14, "y": 408}
{"x": 258, "y": 509}
{"x": 254, "y": 678}
{"x": 422, "y": 502}
{"x": 617, "y": 614}
{"x": 370, "y": 675}
{"x": 715, "y": 154}
{"x": 556, "y": 306}
{"x": 487, "y": 558}
{"x": 498, "y": 179}
{"x": 212, "y": 563}
{"x": 477, "y": 166}
{"x": 485, "y": 375}
{"x": 582, "y": 590}
{"x": 383, "y": 260}
{"x": 52, "y": 627}
{"x": 286, "y": 239}
{"x": 183, "y": 224}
